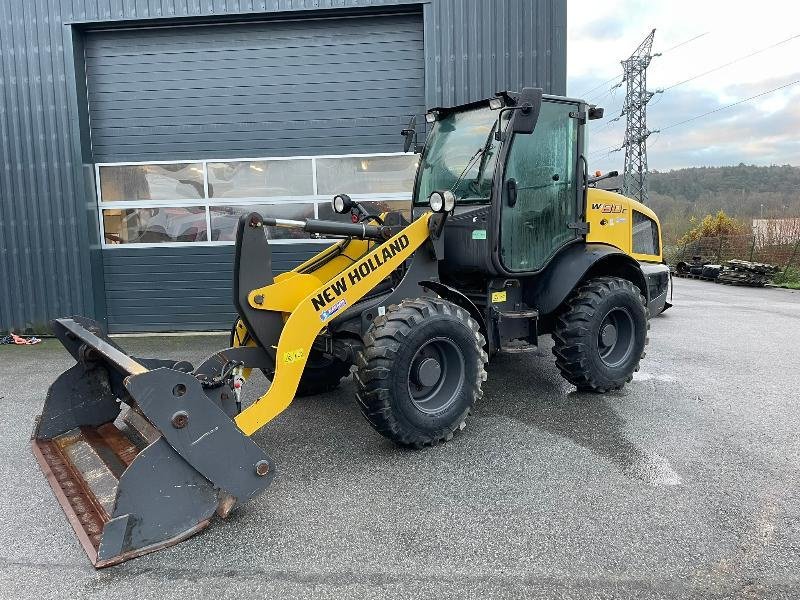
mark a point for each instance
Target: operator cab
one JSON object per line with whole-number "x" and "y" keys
{"x": 519, "y": 197}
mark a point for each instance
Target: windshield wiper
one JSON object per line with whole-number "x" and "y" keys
{"x": 484, "y": 152}
{"x": 470, "y": 164}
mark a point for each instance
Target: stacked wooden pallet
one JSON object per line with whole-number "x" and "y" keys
{"x": 742, "y": 272}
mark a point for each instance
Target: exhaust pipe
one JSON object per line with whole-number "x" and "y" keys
{"x": 140, "y": 453}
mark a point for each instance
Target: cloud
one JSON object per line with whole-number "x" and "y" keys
{"x": 607, "y": 28}
{"x": 761, "y": 131}
{"x": 743, "y": 133}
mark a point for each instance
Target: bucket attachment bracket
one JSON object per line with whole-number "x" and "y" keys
{"x": 140, "y": 455}
{"x": 201, "y": 432}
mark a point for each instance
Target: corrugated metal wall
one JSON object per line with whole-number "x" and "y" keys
{"x": 478, "y": 47}
{"x": 197, "y": 278}
{"x": 327, "y": 86}
{"x": 472, "y": 48}
{"x": 44, "y": 255}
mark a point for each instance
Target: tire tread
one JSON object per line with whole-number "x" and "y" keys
{"x": 374, "y": 366}
{"x": 573, "y": 328}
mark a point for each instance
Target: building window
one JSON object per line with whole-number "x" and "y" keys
{"x": 129, "y": 183}
{"x": 261, "y": 178}
{"x": 365, "y": 175}
{"x": 155, "y": 225}
{"x": 200, "y": 202}
{"x": 645, "y": 235}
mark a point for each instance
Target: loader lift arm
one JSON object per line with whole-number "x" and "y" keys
{"x": 311, "y": 300}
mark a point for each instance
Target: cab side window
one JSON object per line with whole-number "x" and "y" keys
{"x": 535, "y": 222}
{"x": 645, "y": 235}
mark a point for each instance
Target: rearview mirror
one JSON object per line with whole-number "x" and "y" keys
{"x": 410, "y": 133}
{"x": 526, "y": 112}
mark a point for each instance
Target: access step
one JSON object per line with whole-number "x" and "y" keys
{"x": 516, "y": 330}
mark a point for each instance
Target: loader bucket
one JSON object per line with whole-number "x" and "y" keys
{"x": 140, "y": 453}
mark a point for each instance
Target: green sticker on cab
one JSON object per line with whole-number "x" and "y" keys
{"x": 478, "y": 234}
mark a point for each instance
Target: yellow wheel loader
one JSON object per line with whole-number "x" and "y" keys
{"x": 507, "y": 240}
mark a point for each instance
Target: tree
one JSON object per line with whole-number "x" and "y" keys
{"x": 716, "y": 225}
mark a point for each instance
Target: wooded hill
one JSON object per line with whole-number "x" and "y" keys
{"x": 679, "y": 195}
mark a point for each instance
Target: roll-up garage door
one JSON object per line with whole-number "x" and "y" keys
{"x": 328, "y": 86}
{"x": 332, "y": 86}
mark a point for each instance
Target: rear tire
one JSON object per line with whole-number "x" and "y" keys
{"x": 421, "y": 371}
{"x": 601, "y": 334}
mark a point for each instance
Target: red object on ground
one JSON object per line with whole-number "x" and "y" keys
{"x": 21, "y": 341}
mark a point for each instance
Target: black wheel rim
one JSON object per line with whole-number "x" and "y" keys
{"x": 436, "y": 375}
{"x": 616, "y": 337}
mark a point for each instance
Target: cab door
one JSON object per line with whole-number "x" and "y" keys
{"x": 540, "y": 190}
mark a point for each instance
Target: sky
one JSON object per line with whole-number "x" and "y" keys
{"x": 764, "y": 131}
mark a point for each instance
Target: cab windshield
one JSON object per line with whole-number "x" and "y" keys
{"x": 460, "y": 156}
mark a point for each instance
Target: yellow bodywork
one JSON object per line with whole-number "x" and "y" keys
{"x": 309, "y": 301}
{"x": 610, "y": 218}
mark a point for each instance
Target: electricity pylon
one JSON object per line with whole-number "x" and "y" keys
{"x": 634, "y": 181}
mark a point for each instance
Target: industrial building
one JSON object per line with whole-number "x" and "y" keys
{"x": 133, "y": 133}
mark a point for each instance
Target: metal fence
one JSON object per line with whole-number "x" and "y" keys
{"x": 742, "y": 247}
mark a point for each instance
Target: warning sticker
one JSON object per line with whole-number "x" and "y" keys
{"x": 499, "y": 296}
{"x": 293, "y": 356}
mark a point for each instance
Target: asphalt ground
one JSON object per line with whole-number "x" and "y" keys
{"x": 684, "y": 484}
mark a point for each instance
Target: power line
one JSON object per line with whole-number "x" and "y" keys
{"x": 697, "y": 37}
{"x": 611, "y": 91}
{"x": 607, "y": 151}
{"x": 617, "y": 110}
{"x": 611, "y": 148}
{"x": 656, "y": 140}
{"x": 608, "y": 124}
{"x": 659, "y": 99}
{"x": 716, "y": 110}
{"x": 586, "y": 93}
{"x": 733, "y": 62}
{"x": 622, "y": 76}
{"x": 721, "y": 108}
{"x": 604, "y": 155}
{"x": 695, "y": 118}
{"x": 634, "y": 107}
{"x": 596, "y": 152}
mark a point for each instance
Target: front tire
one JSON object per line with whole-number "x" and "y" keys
{"x": 421, "y": 371}
{"x": 600, "y": 334}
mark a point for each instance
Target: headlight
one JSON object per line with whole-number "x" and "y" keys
{"x": 341, "y": 203}
{"x": 442, "y": 201}
{"x": 432, "y": 116}
{"x": 496, "y": 103}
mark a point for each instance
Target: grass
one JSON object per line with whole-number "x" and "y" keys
{"x": 788, "y": 278}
